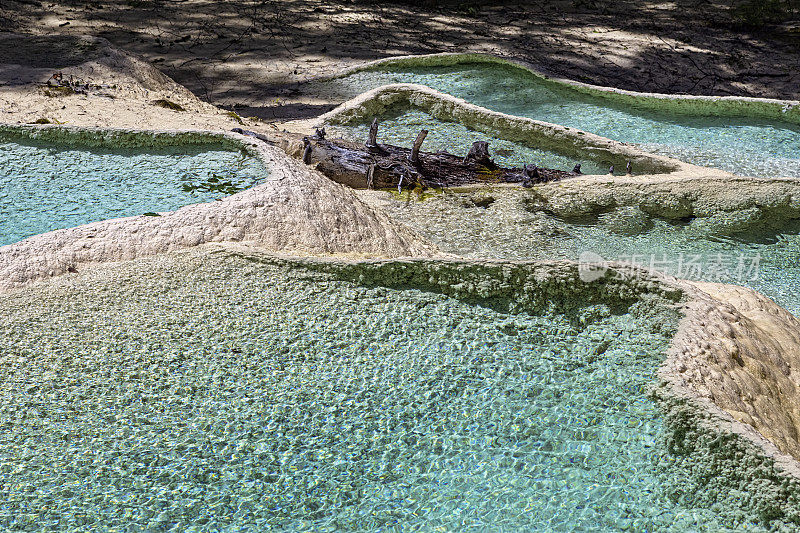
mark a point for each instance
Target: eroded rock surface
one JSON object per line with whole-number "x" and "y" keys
{"x": 742, "y": 352}
{"x": 731, "y": 202}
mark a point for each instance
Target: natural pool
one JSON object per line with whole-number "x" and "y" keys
{"x": 401, "y": 128}
{"x": 210, "y": 390}
{"x": 744, "y": 146}
{"x": 46, "y": 186}
{"x": 765, "y": 257}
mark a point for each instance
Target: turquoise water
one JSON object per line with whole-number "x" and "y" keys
{"x": 744, "y": 146}
{"x": 45, "y": 187}
{"x": 211, "y": 392}
{"x": 766, "y": 259}
{"x": 402, "y": 128}
{"x": 768, "y": 263}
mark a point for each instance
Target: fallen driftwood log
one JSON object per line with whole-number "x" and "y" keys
{"x": 379, "y": 166}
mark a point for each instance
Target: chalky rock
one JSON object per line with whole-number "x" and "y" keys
{"x": 296, "y": 211}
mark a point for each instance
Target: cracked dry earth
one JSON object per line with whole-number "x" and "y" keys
{"x": 244, "y": 54}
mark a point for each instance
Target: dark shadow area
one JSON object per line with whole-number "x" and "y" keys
{"x": 47, "y": 52}
{"x": 26, "y": 59}
{"x": 244, "y": 53}
{"x": 277, "y": 112}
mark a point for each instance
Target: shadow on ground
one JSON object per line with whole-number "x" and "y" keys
{"x": 242, "y": 53}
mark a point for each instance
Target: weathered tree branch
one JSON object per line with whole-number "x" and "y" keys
{"x": 417, "y": 145}
{"x": 381, "y": 166}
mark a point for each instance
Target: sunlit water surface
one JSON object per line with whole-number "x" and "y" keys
{"x": 749, "y": 147}
{"x": 227, "y": 394}
{"x": 44, "y": 187}
{"x": 217, "y": 393}
{"x": 764, "y": 258}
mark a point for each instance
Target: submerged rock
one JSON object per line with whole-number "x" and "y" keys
{"x": 626, "y": 221}
{"x": 729, "y": 222}
{"x": 479, "y": 199}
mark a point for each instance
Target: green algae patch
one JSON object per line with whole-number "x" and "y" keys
{"x": 168, "y": 104}
{"x": 708, "y": 464}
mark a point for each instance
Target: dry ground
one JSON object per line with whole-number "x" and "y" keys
{"x": 242, "y": 52}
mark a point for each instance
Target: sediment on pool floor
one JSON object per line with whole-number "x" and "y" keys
{"x": 289, "y": 380}
{"x": 233, "y": 300}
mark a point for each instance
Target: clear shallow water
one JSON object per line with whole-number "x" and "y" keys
{"x": 740, "y": 145}
{"x": 766, "y": 260}
{"x": 402, "y": 128}
{"x": 220, "y": 393}
{"x": 45, "y": 187}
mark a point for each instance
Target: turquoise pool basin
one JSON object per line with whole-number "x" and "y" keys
{"x": 764, "y": 256}
{"x": 745, "y": 146}
{"x": 46, "y": 186}
{"x": 217, "y": 391}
